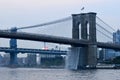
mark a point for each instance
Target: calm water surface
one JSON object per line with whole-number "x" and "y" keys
{"x": 58, "y": 74}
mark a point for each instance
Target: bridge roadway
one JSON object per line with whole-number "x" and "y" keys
{"x": 26, "y": 50}
{"x": 55, "y": 39}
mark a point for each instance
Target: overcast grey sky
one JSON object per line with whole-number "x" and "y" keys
{"x": 29, "y": 12}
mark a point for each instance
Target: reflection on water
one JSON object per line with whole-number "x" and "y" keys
{"x": 57, "y": 74}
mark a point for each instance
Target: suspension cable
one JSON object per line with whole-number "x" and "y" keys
{"x": 43, "y": 24}
{"x": 104, "y": 34}
{"x": 47, "y": 23}
{"x": 105, "y": 23}
{"x": 104, "y": 29}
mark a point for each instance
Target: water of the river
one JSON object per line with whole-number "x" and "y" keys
{"x": 58, "y": 74}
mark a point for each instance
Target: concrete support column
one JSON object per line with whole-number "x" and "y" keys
{"x": 92, "y": 57}
{"x": 77, "y": 55}
{"x": 92, "y": 47}
{"x": 76, "y": 58}
{"x": 92, "y": 27}
{"x": 72, "y": 59}
{"x": 13, "y": 59}
{"x": 83, "y": 50}
{"x": 75, "y": 28}
{"x": 83, "y": 26}
{"x": 82, "y": 58}
{"x": 13, "y": 45}
{"x": 83, "y": 54}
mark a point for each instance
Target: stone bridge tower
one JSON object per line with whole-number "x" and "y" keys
{"x": 84, "y": 27}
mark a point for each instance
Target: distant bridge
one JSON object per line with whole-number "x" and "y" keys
{"x": 36, "y": 51}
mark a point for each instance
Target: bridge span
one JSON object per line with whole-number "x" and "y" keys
{"x": 56, "y": 39}
{"x": 83, "y": 50}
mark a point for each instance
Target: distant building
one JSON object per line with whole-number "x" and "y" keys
{"x": 47, "y": 60}
{"x": 6, "y": 59}
{"x": 43, "y": 57}
{"x": 108, "y": 53}
{"x": 116, "y": 37}
{"x": 31, "y": 60}
{"x": 101, "y": 55}
{"x": 1, "y": 59}
{"x": 22, "y": 61}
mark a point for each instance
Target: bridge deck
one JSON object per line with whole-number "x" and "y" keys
{"x": 55, "y": 39}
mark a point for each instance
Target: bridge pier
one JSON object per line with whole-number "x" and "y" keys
{"x": 13, "y": 59}
{"x": 92, "y": 47}
{"x": 80, "y": 57}
{"x": 73, "y": 58}
{"x": 76, "y": 58}
{"x": 92, "y": 58}
{"x": 84, "y": 35}
{"x": 13, "y": 45}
